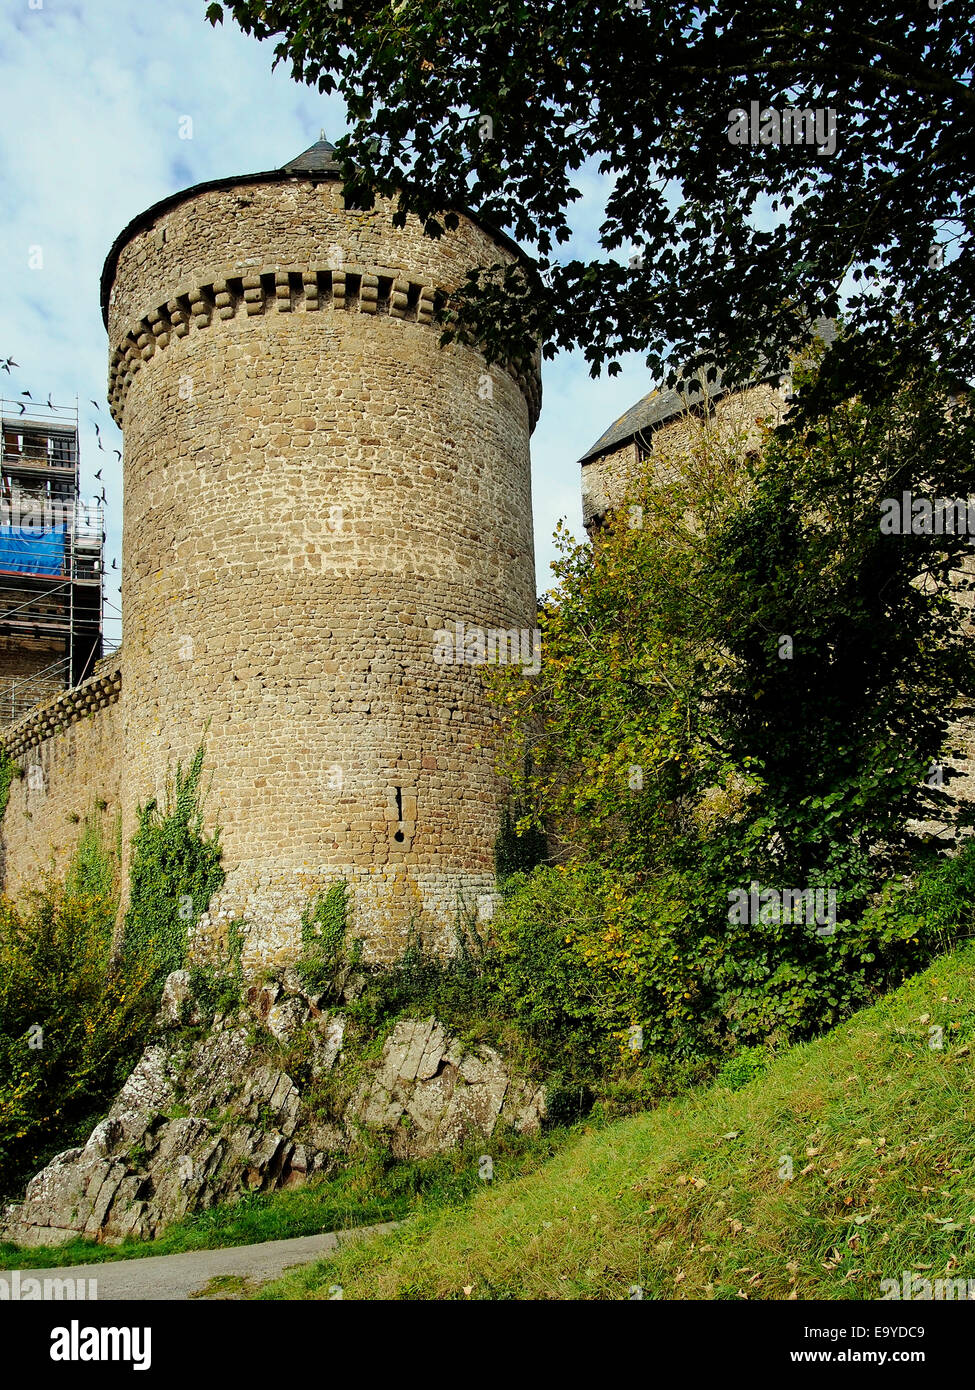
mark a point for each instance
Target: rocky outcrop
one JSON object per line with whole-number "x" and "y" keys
{"x": 207, "y": 1114}
{"x": 431, "y": 1096}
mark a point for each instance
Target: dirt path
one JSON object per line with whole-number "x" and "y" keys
{"x": 187, "y": 1275}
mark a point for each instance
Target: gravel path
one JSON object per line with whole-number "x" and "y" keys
{"x": 186, "y": 1274}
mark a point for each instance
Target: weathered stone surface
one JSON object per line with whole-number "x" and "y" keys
{"x": 177, "y": 1005}
{"x": 198, "y": 1125}
{"x": 285, "y": 1018}
{"x": 445, "y": 1096}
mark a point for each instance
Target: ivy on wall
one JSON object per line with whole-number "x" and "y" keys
{"x": 9, "y": 769}
{"x": 175, "y": 871}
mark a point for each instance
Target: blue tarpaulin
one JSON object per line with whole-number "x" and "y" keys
{"x": 32, "y": 552}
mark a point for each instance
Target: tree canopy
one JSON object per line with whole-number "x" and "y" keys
{"x": 501, "y": 106}
{"x": 756, "y": 676}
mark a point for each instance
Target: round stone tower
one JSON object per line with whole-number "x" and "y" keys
{"x": 315, "y": 494}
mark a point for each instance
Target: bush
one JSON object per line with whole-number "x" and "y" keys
{"x": 71, "y": 1023}
{"x": 749, "y": 1063}
{"x": 597, "y": 967}
{"x": 459, "y": 989}
{"x": 513, "y": 852}
{"x": 216, "y": 988}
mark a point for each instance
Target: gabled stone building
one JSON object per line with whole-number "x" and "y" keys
{"x": 661, "y": 426}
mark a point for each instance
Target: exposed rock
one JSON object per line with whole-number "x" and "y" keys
{"x": 285, "y": 1019}
{"x": 200, "y": 1120}
{"x": 177, "y": 1005}
{"x": 431, "y": 1097}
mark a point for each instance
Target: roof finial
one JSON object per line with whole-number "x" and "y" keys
{"x": 321, "y": 133}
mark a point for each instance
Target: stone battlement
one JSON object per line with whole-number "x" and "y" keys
{"x": 97, "y": 692}
{"x": 228, "y": 291}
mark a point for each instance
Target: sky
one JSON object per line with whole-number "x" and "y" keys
{"x": 94, "y": 97}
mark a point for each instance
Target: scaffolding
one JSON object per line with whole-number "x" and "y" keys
{"x": 51, "y": 558}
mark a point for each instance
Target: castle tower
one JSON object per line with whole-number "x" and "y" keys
{"x": 313, "y": 488}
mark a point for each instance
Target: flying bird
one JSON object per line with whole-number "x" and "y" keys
{"x": 118, "y": 454}
{"x": 98, "y": 475}
{"x": 101, "y": 446}
{"x": 27, "y": 394}
{"x": 115, "y": 564}
{"x": 97, "y": 430}
{"x": 50, "y": 404}
{"x": 21, "y": 406}
{"x": 8, "y": 364}
{"x": 103, "y": 498}
{"x": 96, "y": 405}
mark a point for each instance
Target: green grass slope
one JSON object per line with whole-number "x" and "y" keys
{"x": 694, "y": 1200}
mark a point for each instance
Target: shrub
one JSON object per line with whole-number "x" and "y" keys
{"x": 459, "y": 989}
{"x": 744, "y": 1067}
{"x": 516, "y": 852}
{"x": 71, "y": 1023}
{"x": 588, "y": 956}
{"x": 216, "y": 988}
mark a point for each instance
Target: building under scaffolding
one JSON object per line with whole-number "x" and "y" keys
{"x": 51, "y": 568}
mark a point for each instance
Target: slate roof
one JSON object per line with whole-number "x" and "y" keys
{"x": 658, "y": 406}
{"x": 317, "y": 159}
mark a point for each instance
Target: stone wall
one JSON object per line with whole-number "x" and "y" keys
{"x": 69, "y": 752}
{"x": 314, "y": 487}
{"x": 606, "y": 481}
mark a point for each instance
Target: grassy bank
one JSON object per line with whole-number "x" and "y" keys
{"x": 874, "y": 1121}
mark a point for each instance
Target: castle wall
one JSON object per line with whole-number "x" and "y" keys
{"x": 313, "y": 487}
{"x": 70, "y": 755}
{"x": 606, "y": 481}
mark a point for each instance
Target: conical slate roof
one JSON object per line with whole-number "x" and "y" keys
{"x": 317, "y": 159}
